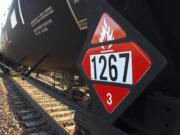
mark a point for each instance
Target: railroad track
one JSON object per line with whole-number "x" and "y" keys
{"x": 62, "y": 114}
{"x": 30, "y": 118}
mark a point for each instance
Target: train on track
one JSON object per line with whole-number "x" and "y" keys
{"x": 29, "y": 33}
{"x": 51, "y": 34}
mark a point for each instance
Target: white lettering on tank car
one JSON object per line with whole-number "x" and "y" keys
{"x": 39, "y": 24}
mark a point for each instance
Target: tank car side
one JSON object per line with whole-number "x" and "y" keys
{"x": 35, "y": 28}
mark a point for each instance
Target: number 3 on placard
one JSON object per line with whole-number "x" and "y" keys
{"x": 109, "y": 100}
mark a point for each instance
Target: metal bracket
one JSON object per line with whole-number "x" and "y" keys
{"x": 36, "y": 64}
{"x": 19, "y": 62}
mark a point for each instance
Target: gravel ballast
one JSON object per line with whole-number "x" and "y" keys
{"x": 9, "y": 124}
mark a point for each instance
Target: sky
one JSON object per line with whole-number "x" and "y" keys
{"x": 4, "y": 4}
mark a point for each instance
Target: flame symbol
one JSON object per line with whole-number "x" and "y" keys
{"x": 106, "y": 34}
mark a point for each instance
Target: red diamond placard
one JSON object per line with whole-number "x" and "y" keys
{"x": 120, "y": 70}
